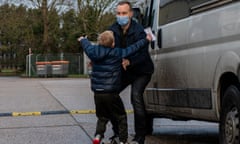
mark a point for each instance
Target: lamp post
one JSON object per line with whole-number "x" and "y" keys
{"x": 29, "y": 61}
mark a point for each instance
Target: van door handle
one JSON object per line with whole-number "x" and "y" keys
{"x": 153, "y": 42}
{"x": 159, "y": 38}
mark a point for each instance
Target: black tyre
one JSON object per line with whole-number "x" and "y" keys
{"x": 229, "y": 118}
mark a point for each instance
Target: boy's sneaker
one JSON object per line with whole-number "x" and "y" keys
{"x": 97, "y": 139}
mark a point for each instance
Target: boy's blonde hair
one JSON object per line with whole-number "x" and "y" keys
{"x": 106, "y": 38}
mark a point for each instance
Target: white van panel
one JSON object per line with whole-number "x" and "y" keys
{"x": 195, "y": 52}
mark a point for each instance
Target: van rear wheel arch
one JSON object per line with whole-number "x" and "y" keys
{"x": 230, "y": 116}
{"x": 226, "y": 80}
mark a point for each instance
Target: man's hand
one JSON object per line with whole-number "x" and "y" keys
{"x": 149, "y": 37}
{"x": 125, "y": 63}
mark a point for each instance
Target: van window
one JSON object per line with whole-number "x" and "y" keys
{"x": 194, "y": 3}
{"x": 204, "y": 5}
{"x": 172, "y": 10}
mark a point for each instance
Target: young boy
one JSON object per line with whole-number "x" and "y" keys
{"x": 106, "y": 81}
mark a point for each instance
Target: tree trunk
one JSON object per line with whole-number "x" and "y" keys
{"x": 45, "y": 23}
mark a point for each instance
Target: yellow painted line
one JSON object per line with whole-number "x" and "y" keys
{"x": 90, "y": 111}
{"x": 82, "y": 112}
{"x": 15, "y": 114}
{"x": 129, "y": 111}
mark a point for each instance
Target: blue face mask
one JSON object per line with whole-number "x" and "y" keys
{"x": 122, "y": 20}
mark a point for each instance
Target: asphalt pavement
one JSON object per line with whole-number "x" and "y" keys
{"x": 61, "y": 111}
{"x": 34, "y": 111}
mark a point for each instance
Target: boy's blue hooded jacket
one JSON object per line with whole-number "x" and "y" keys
{"x": 107, "y": 64}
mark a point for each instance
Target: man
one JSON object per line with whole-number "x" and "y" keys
{"x": 138, "y": 68}
{"x": 107, "y": 59}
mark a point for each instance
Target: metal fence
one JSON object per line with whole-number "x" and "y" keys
{"x": 75, "y": 64}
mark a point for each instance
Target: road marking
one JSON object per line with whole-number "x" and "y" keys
{"x": 82, "y": 111}
{"x": 129, "y": 111}
{"x": 57, "y": 112}
{"x": 15, "y": 114}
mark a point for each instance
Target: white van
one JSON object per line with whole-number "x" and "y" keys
{"x": 197, "y": 62}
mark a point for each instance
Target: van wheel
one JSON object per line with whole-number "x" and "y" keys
{"x": 229, "y": 118}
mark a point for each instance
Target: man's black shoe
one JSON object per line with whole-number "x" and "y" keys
{"x": 138, "y": 140}
{"x": 114, "y": 139}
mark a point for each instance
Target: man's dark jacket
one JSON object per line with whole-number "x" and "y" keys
{"x": 140, "y": 62}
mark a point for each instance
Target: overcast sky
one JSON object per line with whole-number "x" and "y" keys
{"x": 136, "y": 3}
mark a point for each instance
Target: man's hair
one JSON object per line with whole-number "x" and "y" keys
{"x": 125, "y": 2}
{"x": 106, "y": 38}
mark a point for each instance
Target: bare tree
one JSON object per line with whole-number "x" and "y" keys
{"x": 48, "y": 7}
{"x": 91, "y": 14}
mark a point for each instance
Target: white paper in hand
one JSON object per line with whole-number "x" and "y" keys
{"x": 149, "y": 31}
